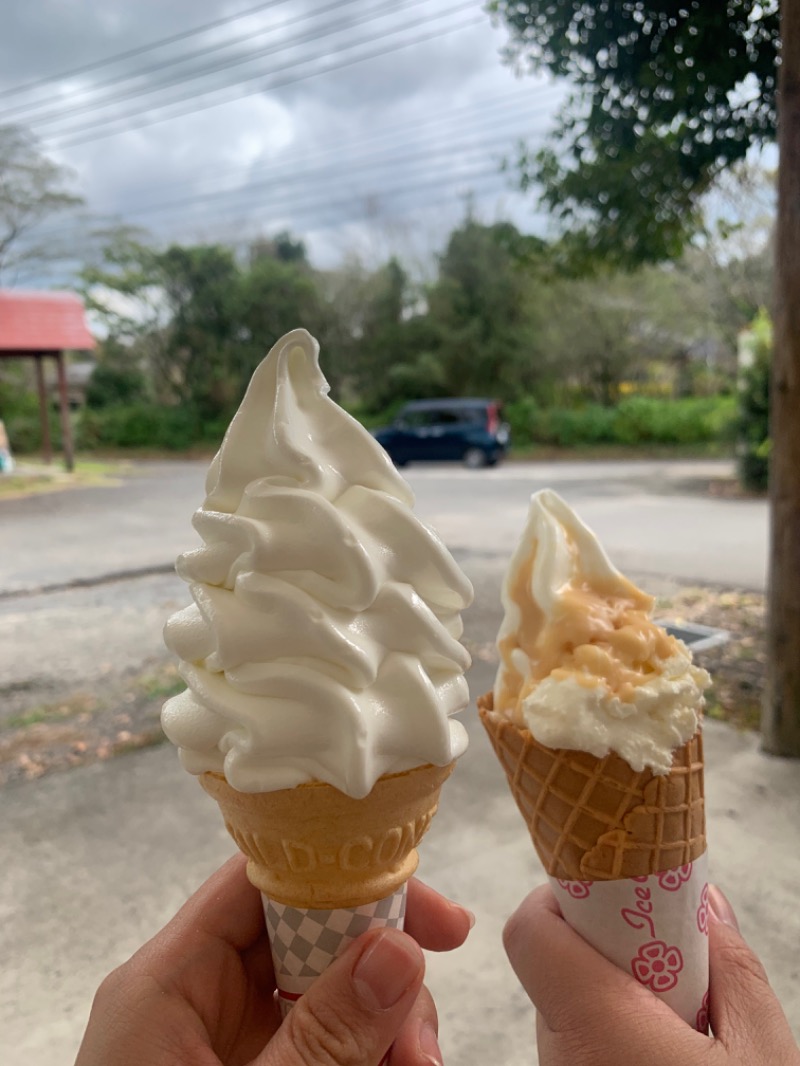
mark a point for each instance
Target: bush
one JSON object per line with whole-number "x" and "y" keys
{"x": 110, "y": 386}
{"x": 693, "y": 420}
{"x": 753, "y": 446}
{"x": 635, "y": 421}
{"x": 19, "y": 410}
{"x": 139, "y": 426}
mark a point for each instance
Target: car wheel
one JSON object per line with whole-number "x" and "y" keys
{"x": 474, "y": 458}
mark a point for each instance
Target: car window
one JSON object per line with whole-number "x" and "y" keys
{"x": 416, "y": 419}
{"x": 448, "y": 416}
{"x": 472, "y": 414}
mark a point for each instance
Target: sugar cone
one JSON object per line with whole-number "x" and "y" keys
{"x": 314, "y": 846}
{"x": 596, "y": 819}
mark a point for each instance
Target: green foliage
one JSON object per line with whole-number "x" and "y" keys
{"x": 424, "y": 376}
{"x": 655, "y": 116}
{"x": 112, "y": 385}
{"x": 487, "y": 314}
{"x": 490, "y": 324}
{"x": 642, "y": 420}
{"x": 143, "y": 425}
{"x": 19, "y": 410}
{"x": 638, "y": 420}
{"x": 753, "y": 424}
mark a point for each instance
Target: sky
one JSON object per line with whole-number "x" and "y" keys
{"x": 362, "y": 126}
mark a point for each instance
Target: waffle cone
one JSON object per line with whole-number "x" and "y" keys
{"x": 314, "y": 846}
{"x": 596, "y": 819}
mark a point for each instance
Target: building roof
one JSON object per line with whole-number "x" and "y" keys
{"x": 42, "y": 322}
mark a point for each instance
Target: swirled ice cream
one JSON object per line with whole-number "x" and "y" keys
{"x": 583, "y": 665}
{"x": 322, "y": 643}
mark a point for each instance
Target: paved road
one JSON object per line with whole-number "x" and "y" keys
{"x": 654, "y": 517}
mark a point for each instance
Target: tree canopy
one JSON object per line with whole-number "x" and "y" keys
{"x": 665, "y": 96}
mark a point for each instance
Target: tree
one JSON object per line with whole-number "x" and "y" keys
{"x": 32, "y": 188}
{"x": 781, "y": 728}
{"x": 666, "y": 97}
{"x": 488, "y": 314}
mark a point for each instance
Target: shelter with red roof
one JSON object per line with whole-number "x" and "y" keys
{"x": 38, "y": 325}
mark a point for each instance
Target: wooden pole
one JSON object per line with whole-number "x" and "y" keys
{"x": 63, "y": 402}
{"x": 44, "y": 414}
{"x": 781, "y": 718}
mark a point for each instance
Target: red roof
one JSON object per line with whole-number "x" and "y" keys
{"x": 42, "y": 322}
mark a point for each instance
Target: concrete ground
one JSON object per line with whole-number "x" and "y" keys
{"x": 100, "y": 857}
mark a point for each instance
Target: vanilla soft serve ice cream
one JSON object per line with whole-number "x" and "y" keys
{"x": 323, "y": 640}
{"x": 583, "y": 665}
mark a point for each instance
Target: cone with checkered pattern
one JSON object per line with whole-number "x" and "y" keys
{"x": 597, "y": 819}
{"x": 305, "y": 941}
{"x": 314, "y": 846}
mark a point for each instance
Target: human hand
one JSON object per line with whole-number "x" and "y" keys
{"x": 592, "y": 1014}
{"x": 200, "y": 993}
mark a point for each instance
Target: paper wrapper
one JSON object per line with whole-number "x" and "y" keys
{"x": 305, "y": 941}
{"x": 655, "y": 928}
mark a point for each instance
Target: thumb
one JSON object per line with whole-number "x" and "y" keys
{"x": 746, "y": 1016}
{"x": 354, "y": 1010}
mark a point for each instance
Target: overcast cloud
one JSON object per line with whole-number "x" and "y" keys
{"x": 288, "y": 130}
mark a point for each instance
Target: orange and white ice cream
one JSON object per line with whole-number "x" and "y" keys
{"x": 583, "y": 664}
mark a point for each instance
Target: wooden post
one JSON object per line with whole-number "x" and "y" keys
{"x": 781, "y": 718}
{"x": 44, "y": 414}
{"x": 63, "y": 402}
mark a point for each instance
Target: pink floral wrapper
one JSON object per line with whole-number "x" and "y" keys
{"x": 655, "y": 928}
{"x": 305, "y": 941}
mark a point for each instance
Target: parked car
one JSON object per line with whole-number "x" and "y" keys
{"x": 468, "y": 430}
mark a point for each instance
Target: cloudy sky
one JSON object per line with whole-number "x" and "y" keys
{"x": 361, "y": 125}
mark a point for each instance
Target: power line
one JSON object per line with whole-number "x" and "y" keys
{"x": 381, "y": 160}
{"x": 120, "y": 57}
{"x": 333, "y": 209}
{"x": 271, "y": 85}
{"x": 66, "y": 109}
{"x": 451, "y": 119}
{"x": 362, "y": 156}
{"x": 304, "y": 196}
{"x": 317, "y": 220}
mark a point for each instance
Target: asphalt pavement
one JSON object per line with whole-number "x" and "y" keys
{"x": 103, "y": 855}
{"x": 654, "y": 517}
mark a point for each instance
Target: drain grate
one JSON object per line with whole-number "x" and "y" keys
{"x": 695, "y": 636}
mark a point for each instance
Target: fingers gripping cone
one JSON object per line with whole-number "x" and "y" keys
{"x": 625, "y": 851}
{"x": 329, "y": 867}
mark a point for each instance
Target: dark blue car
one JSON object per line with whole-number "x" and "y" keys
{"x": 468, "y": 431}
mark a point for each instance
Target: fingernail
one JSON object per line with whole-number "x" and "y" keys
{"x": 429, "y": 1045}
{"x": 386, "y": 970}
{"x": 721, "y": 908}
{"x": 464, "y": 910}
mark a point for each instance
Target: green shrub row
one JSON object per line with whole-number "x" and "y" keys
{"x": 636, "y": 420}
{"x": 144, "y": 425}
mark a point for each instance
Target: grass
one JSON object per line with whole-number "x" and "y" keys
{"x": 35, "y": 476}
{"x": 80, "y": 704}
{"x": 161, "y": 685}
